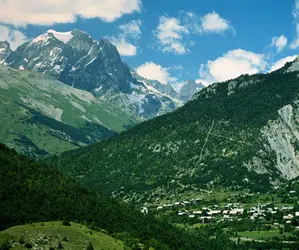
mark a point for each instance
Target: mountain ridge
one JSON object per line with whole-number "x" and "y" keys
{"x": 227, "y": 136}
{"x": 96, "y": 66}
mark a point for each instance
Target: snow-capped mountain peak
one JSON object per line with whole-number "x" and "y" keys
{"x": 74, "y": 58}
{"x": 61, "y": 36}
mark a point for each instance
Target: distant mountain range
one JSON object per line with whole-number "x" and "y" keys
{"x": 242, "y": 134}
{"x": 74, "y": 58}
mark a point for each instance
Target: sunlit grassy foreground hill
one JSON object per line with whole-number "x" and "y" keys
{"x": 54, "y": 235}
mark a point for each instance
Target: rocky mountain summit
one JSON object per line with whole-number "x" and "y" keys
{"x": 76, "y": 59}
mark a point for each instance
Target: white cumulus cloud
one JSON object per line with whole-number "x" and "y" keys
{"x": 280, "y": 63}
{"x": 13, "y": 36}
{"x": 295, "y": 43}
{"x": 152, "y": 71}
{"x": 132, "y": 29}
{"x": 279, "y": 43}
{"x": 231, "y": 65}
{"x": 48, "y": 12}
{"x": 214, "y": 23}
{"x": 129, "y": 34}
{"x": 170, "y": 35}
{"x": 124, "y": 47}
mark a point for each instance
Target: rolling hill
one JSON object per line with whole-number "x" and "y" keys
{"x": 54, "y": 234}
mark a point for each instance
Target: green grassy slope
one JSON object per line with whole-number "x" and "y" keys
{"x": 50, "y": 234}
{"x": 205, "y": 144}
{"x": 38, "y": 113}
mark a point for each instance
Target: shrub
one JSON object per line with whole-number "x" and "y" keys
{"x": 22, "y": 240}
{"x": 90, "y": 246}
{"x": 60, "y": 246}
{"x": 28, "y": 245}
{"x": 66, "y": 222}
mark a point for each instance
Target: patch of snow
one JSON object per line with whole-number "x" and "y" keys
{"x": 55, "y": 51}
{"x": 61, "y": 36}
{"x": 150, "y": 88}
{"x": 26, "y": 60}
{"x": 134, "y": 86}
{"x": 57, "y": 68}
{"x": 54, "y": 55}
{"x": 2, "y": 50}
{"x": 90, "y": 61}
{"x": 21, "y": 67}
{"x": 41, "y": 38}
{"x": 137, "y": 99}
{"x": 74, "y": 66}
{"x": 98, "y": 89}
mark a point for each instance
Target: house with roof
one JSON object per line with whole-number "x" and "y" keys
{"x": 226, "y": 217}
{"x": 288, "y": 217}
{"x": 197, "y": 212}
{"x": 206, "y": 219}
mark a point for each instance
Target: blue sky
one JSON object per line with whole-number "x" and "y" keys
{"x": 171, "y": 40}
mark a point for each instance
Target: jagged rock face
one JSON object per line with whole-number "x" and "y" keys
{"x": 282, "y": 138}
{"x": 5, "y": 50}
{"x": 77, "y": 60}
{"x": 44, "y": 54}
{"x": 188, "y": 90}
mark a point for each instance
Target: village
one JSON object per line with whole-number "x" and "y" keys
{"x": 197, "y": 209}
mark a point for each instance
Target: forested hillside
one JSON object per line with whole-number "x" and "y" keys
{"x": 30, "y": 192}
{"x": 239, "y": 134}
